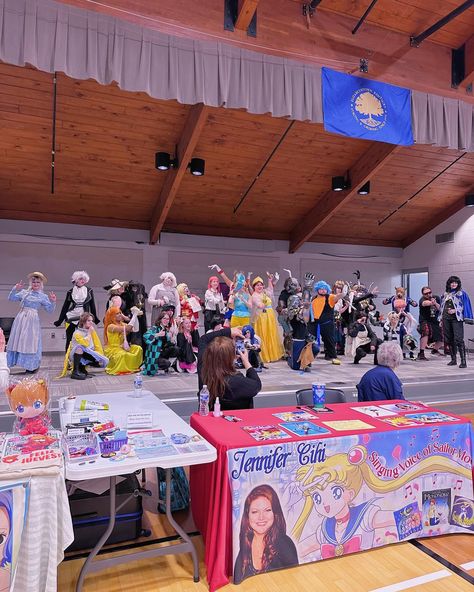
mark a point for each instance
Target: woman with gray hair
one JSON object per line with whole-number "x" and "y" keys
{"x": 381, "y": 383}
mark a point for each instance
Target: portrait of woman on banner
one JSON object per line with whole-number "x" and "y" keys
{"x": 264, "y": 544}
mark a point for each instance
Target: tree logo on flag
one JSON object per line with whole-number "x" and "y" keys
{"x": 368, "y": 108}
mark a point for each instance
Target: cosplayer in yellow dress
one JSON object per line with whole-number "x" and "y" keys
{"x": 123, "y": 358}
{"x": 264, "y": 320}
{"x": 84, "y": 348}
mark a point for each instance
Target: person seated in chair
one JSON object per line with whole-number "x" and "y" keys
{"x": 381, "y": 383}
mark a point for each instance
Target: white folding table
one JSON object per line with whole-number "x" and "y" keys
{"x": 163, "y": 417}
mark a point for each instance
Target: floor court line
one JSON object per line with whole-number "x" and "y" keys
{"x": 467, "y": 566}
{"x": 407, "y": 584}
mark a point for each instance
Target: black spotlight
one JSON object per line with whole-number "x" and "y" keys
{"x": 197, "y": 166}
{"x": 365, "y": 189}
{"x": 469, "y": 200}
{"x": 340, "y": 183}
{"x": 162, "y": 161}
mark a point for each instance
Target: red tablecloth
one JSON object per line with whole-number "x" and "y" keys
{"x": 210, "y": 488}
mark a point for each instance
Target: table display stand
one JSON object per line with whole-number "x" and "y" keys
{"x": 91, "y": 566}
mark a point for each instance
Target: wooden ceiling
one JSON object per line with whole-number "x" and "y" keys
{"x": 410, "y": 17}
{"x": 265, "y": 177}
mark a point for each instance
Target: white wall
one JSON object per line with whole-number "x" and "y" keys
{"x": 58, "y": 250}
{"x": 443, "y": 260}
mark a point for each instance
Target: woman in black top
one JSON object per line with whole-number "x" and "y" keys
{"x": 217, "y": 371}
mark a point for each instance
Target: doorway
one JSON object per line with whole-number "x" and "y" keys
{"x": 414, "y": 280}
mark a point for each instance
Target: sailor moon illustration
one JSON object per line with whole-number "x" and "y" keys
{"x": 348, "y": 525}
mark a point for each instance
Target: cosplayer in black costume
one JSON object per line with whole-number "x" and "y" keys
{"x": 293, "y": 311}
{"x": 136, "y": 296}
{"x": 79, "y": 299}
{"x": 455, "y": 311}
{"x": 116, "y": 288}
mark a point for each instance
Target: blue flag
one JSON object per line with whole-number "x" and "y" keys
{"x": 366, "y": 109}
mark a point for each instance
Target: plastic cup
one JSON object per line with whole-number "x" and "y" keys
{"x": 69, "y": 404}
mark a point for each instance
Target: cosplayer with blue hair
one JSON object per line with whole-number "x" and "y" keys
{"x": 456, "y": 310}
{"x": 322, "y": 323}
{"x": 253, "y": 345}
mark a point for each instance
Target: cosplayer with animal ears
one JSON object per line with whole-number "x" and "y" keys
{"x": 455, "y": 311}
{"x": 25, "y": 345}
{"x": 162, "y": 294}
{"x": 79, "y": 299}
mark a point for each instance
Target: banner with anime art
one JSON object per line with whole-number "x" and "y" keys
{"x": 307, "y": 500}
{"x": 13, "y": 511}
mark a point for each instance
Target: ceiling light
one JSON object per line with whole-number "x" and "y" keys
{"x": 197, "y": 166}
{"x": 163, "y": 161}
{"x": 340, "y": 183}
{"x": 469, "y": 200}
{"x": 365, "y": 189}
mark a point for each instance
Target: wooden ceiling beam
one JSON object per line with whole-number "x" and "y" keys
{"x": 193, "y": 127}
{"x": 246, "y": 12}
{"x": 332, "y": 201}
{"x": 433, "y": 222}
{"x": 469, "y": 64}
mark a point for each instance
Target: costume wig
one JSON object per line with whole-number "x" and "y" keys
{"x": 321, "y": 285}
{"x": 182, "y": 289}
{"x": 166, "y": 275}
{"x": 211, "y": 279}
{"x": 251, "y": 330}
{"x": 451, "y": 279}
{"x": 257, "y": 280}
{"x": 109, "y": 319}
{"x": 77, "y": 275}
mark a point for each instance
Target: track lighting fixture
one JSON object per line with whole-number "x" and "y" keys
{"x": 469, "y": 200}
{"x": 164, "y": 162}
{"x": 365, "y": 189}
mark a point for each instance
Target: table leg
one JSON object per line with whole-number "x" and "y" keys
{"x": 182, "y": 533}
{"x": 103, "y": 539}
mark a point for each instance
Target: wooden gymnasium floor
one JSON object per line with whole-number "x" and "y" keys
{"x": 439, "y": 564}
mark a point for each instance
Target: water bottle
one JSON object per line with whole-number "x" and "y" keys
{"x": 204, "y": 401}
{"x": 138, "y": 386}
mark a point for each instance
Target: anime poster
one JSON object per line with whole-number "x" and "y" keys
{"x": 463, "y": 512}
{"x": 13, "y": 510}
{"x": 312, "y": 499}
{"x": 436, "y": 508}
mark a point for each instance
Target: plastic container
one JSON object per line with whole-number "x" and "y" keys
{"x": 217, "y": 408}
{"x": 81, "y": 447}
{"x": 107, "y": 446}
{"x": 319, "y": 395}
{"x": 138, "y": 386}
{"x": 204, "y": 401}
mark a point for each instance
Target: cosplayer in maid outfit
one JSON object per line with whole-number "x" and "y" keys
{"x": 213, "y": 302}
{"x": 191, "y": 305}
{"x": 264, "y": 319}
{"x": 85, "y": 348}
{"x": 24, "y": 345}
{"x": 162, "y": 294}
{"x": 455, "y": 311}
{"x": 79, "y": 299}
